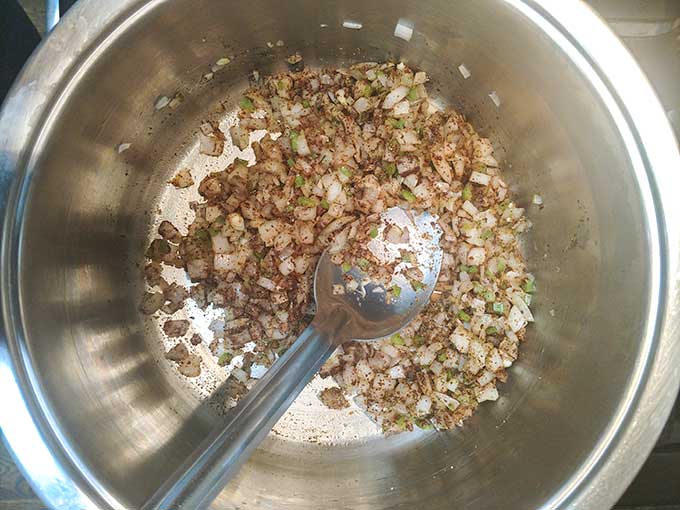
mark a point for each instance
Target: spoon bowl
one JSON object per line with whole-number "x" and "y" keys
{"x": 374, "y": 309}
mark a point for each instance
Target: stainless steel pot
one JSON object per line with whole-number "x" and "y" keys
{"x": 98, "y": 421}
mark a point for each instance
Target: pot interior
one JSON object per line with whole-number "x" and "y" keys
{"x": 90, "y": 212}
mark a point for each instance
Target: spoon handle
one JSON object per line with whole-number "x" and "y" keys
{"x": 198, "y": 481}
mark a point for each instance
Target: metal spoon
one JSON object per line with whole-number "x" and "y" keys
{"x": 360, "y": 311}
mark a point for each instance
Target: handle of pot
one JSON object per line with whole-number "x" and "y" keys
{"x": 202, "y": 477}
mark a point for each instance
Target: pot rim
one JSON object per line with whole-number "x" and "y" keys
{"x": 52, "y": 466}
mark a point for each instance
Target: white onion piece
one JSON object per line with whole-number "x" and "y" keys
{"x": 494, "y": 361}
{"x": 469, "y": 208}
{"x": 407, "y": 137}
{"x": 436, "y": 367}
{"x": 486, "y": 377}
{"x": 482, "y": 147}
{"x": 512, "y": 337}
{"x": 395, "y": 96}
{"x": 364, "y": 371}
{"x": 419, "y": 78}
{"x": 411, "y": 181}
{"x": 286, "y": 267}
{"x": 334, "y": 191}
{"x": 240, "y": 375}
{"x": 460, "y": 340}
{"x": 401, "y": 109}
{"x": 212, "y": 212}
{"x": 229, "y": 261}
{"x": 302, "y": 147}
{"x": 424, "y": 405}
{"x": 305, "y": 213}
{"x": 305, "y": 231}
{"x": 236, "y": 221}
{"x": 269, "y": 230}
{"x": 448, "y": 402}
{"x": 333, "y": 226}
{"x": 257, "y": 371}
{"x": 425, "y": 356}
{"x": 516, "y": 319}
{"x": 396, "y": 235}
{"x": 266, "y": 283}
{"x": 282, "y": 240}
{"x": 301, "y": 264}
{"x": 442, "y": 166}
{"x": 198, "y": 269}
{"x": 397, "y": 372}
{"x": 161, "y": 102}
{"x": 210, "y": 145}
{"x": 216, "y": 326}
{"x": 339, "y": 242}
{"x": 389, "y": 349}
{"x": 476, "y": 256}
{"x": 220, "y": 244}
{"x": 277, "y": 334}
{"x": 519, "y": 302}
{"x": 488, "y": 392}
{"x": 477, "y": 352}
{"x": 488, "y": 161}
{"x": 480, "y": 178}
{"x": 362, "y": 105}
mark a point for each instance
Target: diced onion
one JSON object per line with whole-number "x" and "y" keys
{"x": 210, "y": 145}
{"x": 486, "y": 377}
{"x": 401, "y": 109}
{"x": 476, "y": 256}
{"x": 395, "y": 96}
{"x": 460, "y": 341}
{"x": 229, "y": 262}
{"x": 424, "y": 405}
{"x": 362, "y": 105}
{"x": 397, "y": 372}
{"x": 240, "y": 375}
{"x": 220, "y": 244}
{"x": 302, "y": 147}
{"x": 469, "y": 208}
{"x": 448, "y": 402}
{"x": 286, "y": 267}
{"x": 519, "y": 302}
{"x": 516, "y": 319}
{"x": 480, "y": 178}
{"x": 262, "y": 225}
{"x": 488, "y": 392}
{"x": 494, "y": 361}
{"x": 266, "y": 283}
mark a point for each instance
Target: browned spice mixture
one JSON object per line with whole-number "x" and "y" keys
{"x": 343, "y": 145}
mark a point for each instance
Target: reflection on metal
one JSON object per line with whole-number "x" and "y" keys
{"x": 51, "y": 14}
{"x": 641, "y": 28}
